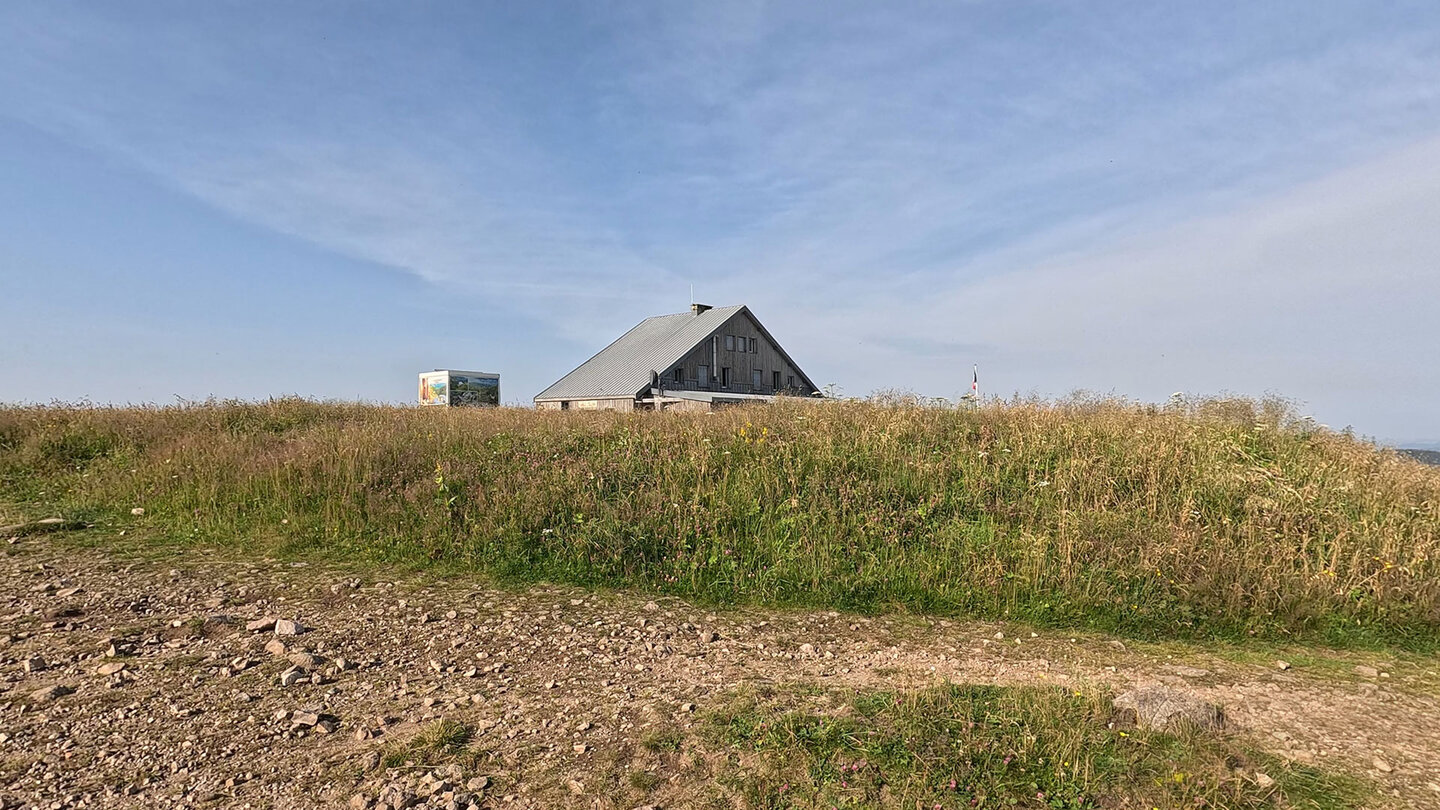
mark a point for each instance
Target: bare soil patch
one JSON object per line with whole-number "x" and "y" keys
{"x": 566, "y": 697}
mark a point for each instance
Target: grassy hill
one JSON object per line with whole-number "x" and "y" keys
{"x": 1225, "y": 518}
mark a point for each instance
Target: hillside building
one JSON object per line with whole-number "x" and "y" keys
{"x": 698, "y": 360}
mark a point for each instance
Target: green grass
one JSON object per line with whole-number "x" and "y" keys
{"x": 439, "y": 742}
{"x": 644, "y": 781}
{"x": 994, "y": 747}
{"x": 1225, "y": 519}
{"x": 663, "y": 740}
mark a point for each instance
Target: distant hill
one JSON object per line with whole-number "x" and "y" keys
{"x": 1423, "y": 456}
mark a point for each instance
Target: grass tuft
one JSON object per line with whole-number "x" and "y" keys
{"x": 438, "y": 742}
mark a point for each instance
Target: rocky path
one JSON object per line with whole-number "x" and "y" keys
{"x": 203, "y": 680}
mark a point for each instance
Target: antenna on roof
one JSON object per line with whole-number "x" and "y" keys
{"x": 692, "y": 293}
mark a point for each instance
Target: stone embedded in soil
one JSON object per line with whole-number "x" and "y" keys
{"x": 1160, "y": 707}
{"x": 304, "y": 659}
{"x": 33, "y": 664}
{"x": 276, "y": 647}
{"x": 50, "y": 694}
{"x": 260, "y": 625}
{"x": 110, "y": 668}
{"x": 1367, "y": 672}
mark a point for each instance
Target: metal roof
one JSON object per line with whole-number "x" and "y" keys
{"x": 623, "y": 368}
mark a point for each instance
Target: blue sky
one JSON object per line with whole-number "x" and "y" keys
{"x": 253, "y": 199}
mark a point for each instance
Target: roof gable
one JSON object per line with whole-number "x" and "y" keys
{"x": 623, "y": 368}
{"x": 778, "y": 348}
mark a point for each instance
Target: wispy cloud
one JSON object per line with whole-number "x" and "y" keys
{"x": 1066, "y": 189}
{"x": 1326, "y": 289}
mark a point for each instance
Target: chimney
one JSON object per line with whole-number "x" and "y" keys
{"x": 699, "y": 308}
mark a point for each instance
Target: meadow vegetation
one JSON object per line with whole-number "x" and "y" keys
{"x": 983, "y": 746}
{"x": 1219, "y": 519}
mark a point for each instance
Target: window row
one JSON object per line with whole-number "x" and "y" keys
{"x": 740, "y": 343}
{"x": 757, "y": 377}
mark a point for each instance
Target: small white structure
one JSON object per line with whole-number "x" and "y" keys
{"x": 475, "y": 389}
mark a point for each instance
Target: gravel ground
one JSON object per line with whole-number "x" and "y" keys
{"x": 211, "y": 681}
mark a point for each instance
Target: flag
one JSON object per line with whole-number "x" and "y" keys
{"x": 975, "y": 382}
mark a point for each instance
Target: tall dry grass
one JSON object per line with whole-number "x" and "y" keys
{"x": 1218, "y": 518}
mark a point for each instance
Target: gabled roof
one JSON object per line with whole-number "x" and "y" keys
{"x": 623, "y": 368}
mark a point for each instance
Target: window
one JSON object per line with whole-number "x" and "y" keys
{"x": 725, "y": 377}
{"x": 791, "y": 384}
{"x": 775, "y": 380}
{"x": 756, "y": 377}
{"x": 702, "y": 375}
{"x": 729, "y": 343}
{"x": 739, "y": 343}
{"x": 752, "y": 345}
{"x": 678, "y": 375}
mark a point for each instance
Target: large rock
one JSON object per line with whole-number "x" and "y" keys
{"x": 1160, "y": 707}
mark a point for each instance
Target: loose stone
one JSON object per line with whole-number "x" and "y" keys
{"x": 288, "y": 627}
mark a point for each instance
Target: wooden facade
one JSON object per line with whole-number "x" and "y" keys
{"x": 717, "y": 364}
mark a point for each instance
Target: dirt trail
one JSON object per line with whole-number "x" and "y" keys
{"x": 563, "y": 685}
